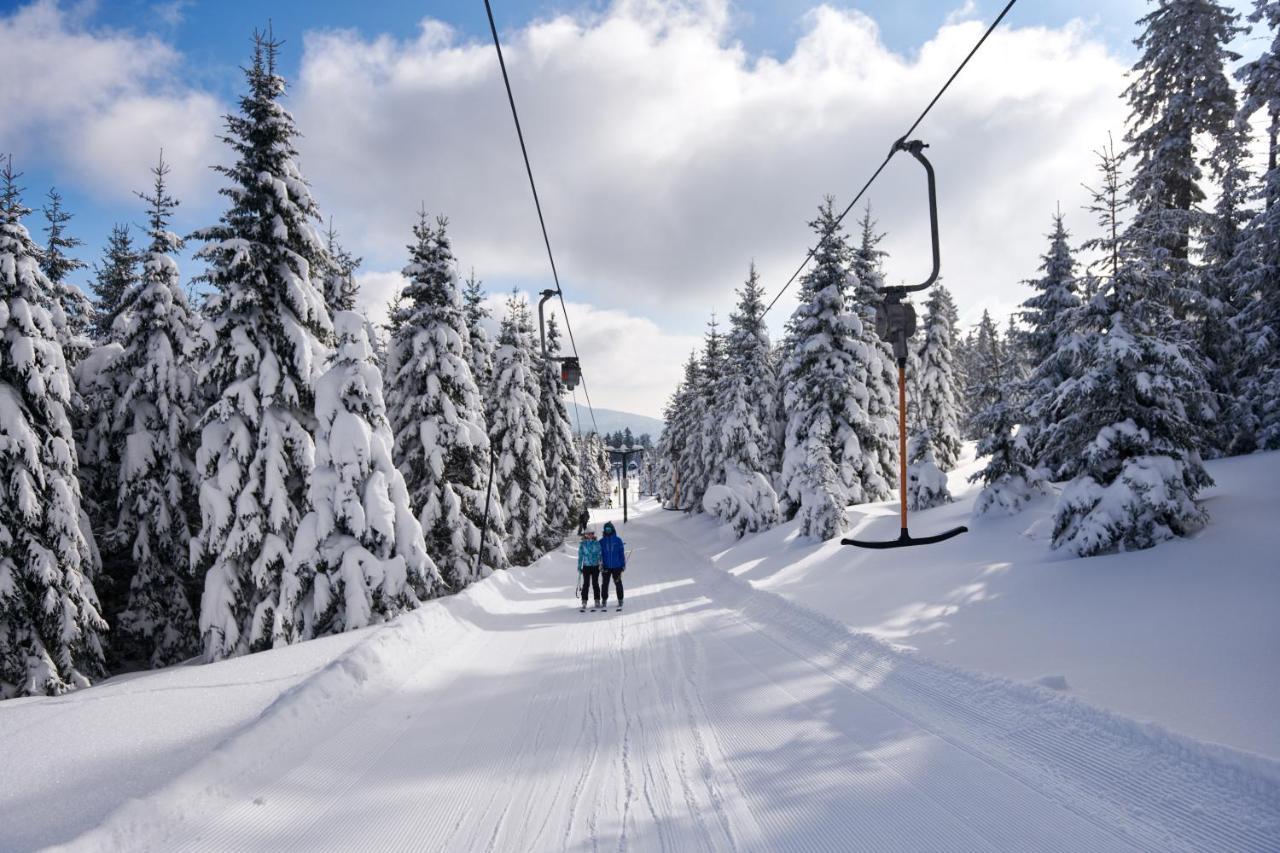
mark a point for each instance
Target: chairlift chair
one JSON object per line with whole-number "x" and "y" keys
{"x": 570, "y": 368}
{"x": 895, "y": 324}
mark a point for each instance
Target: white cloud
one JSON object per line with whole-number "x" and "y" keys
{"x": 102, "y": 103}
{"x": 963, "y": 12}
{"x": 667, "y": 157}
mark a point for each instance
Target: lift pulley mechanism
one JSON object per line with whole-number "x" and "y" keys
{"x": 895, "y": 324}
{"x": 570, "y": 369}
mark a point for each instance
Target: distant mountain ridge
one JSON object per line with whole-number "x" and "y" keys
{"x": 610, "y": 420}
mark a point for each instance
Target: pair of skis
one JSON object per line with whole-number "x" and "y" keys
{"x": 603, "y": 608}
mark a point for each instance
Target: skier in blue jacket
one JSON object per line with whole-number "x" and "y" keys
{"x": 613, "y": 559}
{"x": 589, "y": 566}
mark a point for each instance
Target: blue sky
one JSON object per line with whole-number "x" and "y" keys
{"x": 667, "y": 159}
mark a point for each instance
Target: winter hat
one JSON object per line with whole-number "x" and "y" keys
{"x": 609, "y": 529}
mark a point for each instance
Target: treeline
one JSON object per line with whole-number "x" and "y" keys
{"x": 263, "y": 467}
{"x": 1105, "y": 391}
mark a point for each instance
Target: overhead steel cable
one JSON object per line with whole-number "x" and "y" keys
{"x": 894, "y": 148}
{"x": 537, "y": 203}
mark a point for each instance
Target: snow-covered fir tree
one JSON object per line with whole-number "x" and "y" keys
{"x": 359, "y": 556}
{"x": 926, "y": 481}
{"x": 1218, "y": 335}
{"x": 268, "y": 330}
{"x": 706, "y": 465}
{"x": 1048, "y": 315}
{"x": 1009, "y": 480}
{"x": 984, "y": 342}
{"x": 1107, "y": 204}
{"x": 936, "y": 394}
{"x": 742, "y": 496}
{"x": 593, "y": 470}
{"x": 1258, "y": 297}
{"x": 340, "y": 274}
{"x": 50, "y": 626}
{"x": 113, "y": 277}
{"x": 1124, "y": 414}
{"x": 437, "y": 415}
{"x": 98, "y": 453}
{"x": 480, "y": 350}
{"x": 75, "y": 311}
{"x": 559, "y": 455}
{"x": 1179, "y": 94}
{"x": 517, "y": 435}
{"x": 882, "y": 372}
{"x": 687, "y": 435}
{"x": 825, "y": 465}
{"x": 151, "y": 427}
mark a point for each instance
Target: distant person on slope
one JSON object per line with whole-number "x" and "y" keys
{"x": 613, "y": 558}
{"x": 589, "y": 567}
{"x": 584, "y": 518}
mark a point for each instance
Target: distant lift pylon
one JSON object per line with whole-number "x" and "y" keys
{"x": 896, "y": 323}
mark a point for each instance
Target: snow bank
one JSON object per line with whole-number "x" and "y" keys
{"x": 327, "y": 675}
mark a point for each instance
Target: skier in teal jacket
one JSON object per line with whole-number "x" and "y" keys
{"x": 589, "y": 565}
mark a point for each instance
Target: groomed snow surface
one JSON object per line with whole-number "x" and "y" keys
{"x": 741, "y": 702}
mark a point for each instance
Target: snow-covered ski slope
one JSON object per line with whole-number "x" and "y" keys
{"x": 1186, "y": 634}
{"x": 711, "y": 715}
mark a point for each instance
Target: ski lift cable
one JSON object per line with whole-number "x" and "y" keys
{"x": 897, "y": 145}
{"x": 537, "y": 203}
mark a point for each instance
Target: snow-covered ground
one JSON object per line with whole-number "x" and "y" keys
{"x": 1186, "y": 634}
{"x": 721, "y": 711}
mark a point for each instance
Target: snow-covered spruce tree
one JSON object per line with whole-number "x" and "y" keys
{"x": 1218, "y": 334}
{"x": 935, "y": 381}
{"x": 359, "y": 556}
{"x": 340, "y": 274}
{"x": 113, "y": 277}
{"x": 1124, "y": 415}
{"x": 926, "y": 481}
{"x": 742, "y": 496}
{"x": 268, "y": 329}
{"x": 1107, "y": 204}
{"x": 75, "y": 311}
{"x": 1257, "y": 295}
{"x": 50, "y": 626}
{"x": 99, "y": 454}
{"x": 1179, "y": 92}
{"x": 882, "y": 372}
{"x": 559, "y": 456}
{"x": 517, "y": 434}
{"x": 438, "y": 419}
{"x": 691, "y": 416}
{"x": 593, "y": 470}
{"x": 480, "y": 350}
{"x": 707, "y": 466}
{"x": 1009, "y": 480}
{"x": 1048, "y": 314}
{"x": 984, "y": 343}
{"x": 824, "y": 376}
{"x": 152, "y": 384}
{"x": 667, "y": 451}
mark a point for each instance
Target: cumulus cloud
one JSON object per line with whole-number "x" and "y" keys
{"x": 668, "y": 157}
{"x": 102, "y": 103}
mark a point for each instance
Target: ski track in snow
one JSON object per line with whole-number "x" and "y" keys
{"x": 708, "y": 716}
